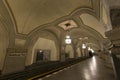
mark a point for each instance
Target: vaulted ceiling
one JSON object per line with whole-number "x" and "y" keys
{"x": 33, "y": 13}
{"x": 86, "y": 17}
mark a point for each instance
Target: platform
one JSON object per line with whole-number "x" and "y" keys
{"x": 90, "y": 69}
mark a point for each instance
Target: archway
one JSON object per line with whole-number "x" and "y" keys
{"x": 45, "y": 44}
{"x": 41, "y": 41}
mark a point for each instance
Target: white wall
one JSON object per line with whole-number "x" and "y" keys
{"x": 43, "y": 43}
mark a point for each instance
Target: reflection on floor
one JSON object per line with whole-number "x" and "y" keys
{"x": 90, "y": 69}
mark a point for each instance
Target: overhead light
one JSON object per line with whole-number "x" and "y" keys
{"x": 68, "y": 40}
{"x": 92, "y": 50}
{"x": 40, "y": 50}
{"x": 89, "y": 48}
{"x": 83, "y": 46}
{"x": 67, "y": 36}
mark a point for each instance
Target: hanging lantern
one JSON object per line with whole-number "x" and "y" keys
{"x": 68, "y": 40}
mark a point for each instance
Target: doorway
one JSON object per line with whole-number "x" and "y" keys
{"x": 43, "y": 55}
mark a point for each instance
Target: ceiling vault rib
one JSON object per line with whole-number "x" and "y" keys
{"x": 12, "y": 10}
{"x": 11, "y": 16}
{"x": 34, "y": 17}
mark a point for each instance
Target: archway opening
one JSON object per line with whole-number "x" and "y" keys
{"x": 44, "y": 50}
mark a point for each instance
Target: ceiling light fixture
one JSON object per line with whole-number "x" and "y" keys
{"x": 67, "y": 38}
{"x": 83, "y": 46}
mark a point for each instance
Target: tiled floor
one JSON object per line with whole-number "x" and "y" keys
{"x": 90, "y": 69}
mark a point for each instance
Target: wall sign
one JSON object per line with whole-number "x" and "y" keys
{"x": 14, "y": 60}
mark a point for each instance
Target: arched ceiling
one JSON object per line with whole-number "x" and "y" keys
{"x": 105, "y": 15}
{"x": 30, "y": 14}
{"x": 91, "y": 21}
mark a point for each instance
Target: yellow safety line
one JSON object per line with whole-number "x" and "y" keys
{"x": 46, "y": 73}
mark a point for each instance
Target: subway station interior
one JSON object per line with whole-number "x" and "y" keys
{"x": 59, "y": 39}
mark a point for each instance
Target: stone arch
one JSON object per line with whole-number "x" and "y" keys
{"x": 45, "y": 44}
{"x": 31, "y": 41}
{"x": 4, "y": 43}
{"x": 7, "y": 33}
{"x": 84, "y": 10}
{"x": 64, "y": 18}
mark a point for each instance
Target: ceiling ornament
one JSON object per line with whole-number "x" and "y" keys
{"x": 68, "y": 24}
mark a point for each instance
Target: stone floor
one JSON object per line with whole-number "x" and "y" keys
{"x": 90, "y": 69}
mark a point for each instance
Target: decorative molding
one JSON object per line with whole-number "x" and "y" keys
{"x": 21, "y": 36}
{"x": 5, "y": 20}
{"x": 11, "y": 15}
{"x": 71, "y": 13}
{"x": 74, "y": 12}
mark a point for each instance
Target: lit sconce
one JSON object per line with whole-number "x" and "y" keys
{"x": 83, "y": 46}
{"x": 67, "y": 36}
{"x": 110, "y": 51}
{"x": 40, "y": 50}
{"x": 83, "y": 41}
{"x": 89, "y": 48}
{"x": 68, "y": 40}
{"x": 92, "y": 50}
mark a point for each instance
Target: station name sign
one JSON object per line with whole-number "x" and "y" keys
{"x": 16, "y": 52}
